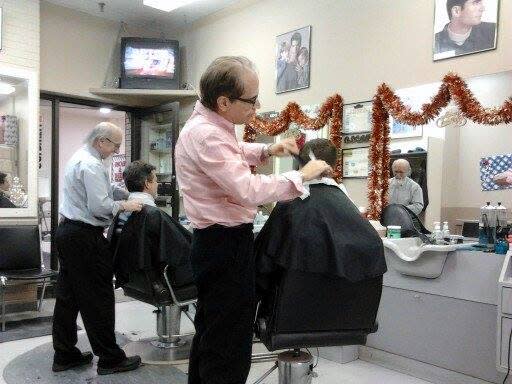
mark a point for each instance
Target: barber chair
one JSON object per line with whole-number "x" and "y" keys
{"x": 303, "y": 310}
{"x": 398, "y": 214}
{"x": 20, "y": 262}
{"x": 171, "y": 292}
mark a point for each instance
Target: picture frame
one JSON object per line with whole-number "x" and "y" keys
{"x": 357, "y": 118}
{"x": 293, "y": 58}
{"x": 398, "y": 130}
{"x": 355, "y": 162}
{"x": 464, "y": 27}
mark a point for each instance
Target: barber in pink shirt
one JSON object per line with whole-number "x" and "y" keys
{"x": 221, "y": 197}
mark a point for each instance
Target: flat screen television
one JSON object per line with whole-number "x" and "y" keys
{"x": 149, "y": 63}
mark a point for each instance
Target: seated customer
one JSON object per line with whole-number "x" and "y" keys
{"x": 149, "y": 238}
{"x": 140, "y": 180}
{"x": 4, "y": 188}
{"x": 323, "y": 233}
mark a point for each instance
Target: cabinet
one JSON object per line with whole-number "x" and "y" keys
{"x": 504, "y": 326}
{"x": 154, "y": 135}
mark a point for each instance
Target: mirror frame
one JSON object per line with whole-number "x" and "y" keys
{"x": 32, "y": 148}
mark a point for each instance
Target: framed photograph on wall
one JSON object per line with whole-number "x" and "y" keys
{"x": 401, "y": 131}
{"x": 293, "y": 54}
{"x": 357, "y": 118}
{"x": 355, "y": 162}
{"x": 463, "y": 27}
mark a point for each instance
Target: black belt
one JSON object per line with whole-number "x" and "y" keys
{"x": 81, "y": 224}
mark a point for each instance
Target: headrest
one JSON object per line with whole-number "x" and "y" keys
{"x": 398, "y": 214}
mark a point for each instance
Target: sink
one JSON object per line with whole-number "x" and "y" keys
{"x": 410, "y": 256}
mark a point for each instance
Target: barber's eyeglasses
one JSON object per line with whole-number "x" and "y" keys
{"x": 116, "y": 145}
{"x": 252, "y": 100}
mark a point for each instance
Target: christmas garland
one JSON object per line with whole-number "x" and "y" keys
{"x": 386, "y": 103}
{"x": 330, "y": 112}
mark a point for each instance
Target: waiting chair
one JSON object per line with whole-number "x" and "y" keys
{"x": 20, "y": 262}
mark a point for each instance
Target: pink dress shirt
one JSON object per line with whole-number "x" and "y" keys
{"x": 214, "y": 177}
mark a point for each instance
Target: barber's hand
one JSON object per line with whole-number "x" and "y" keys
{"x": 132, "y": 205}
{"x": 314, "y": 169}
{"x": 285, "y": 147}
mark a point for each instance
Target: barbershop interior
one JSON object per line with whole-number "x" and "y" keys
{"x": 342, "y": 213}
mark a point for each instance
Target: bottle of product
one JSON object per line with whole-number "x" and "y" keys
{"x": 437, "y": 234}
{"x": 446, "y": 231}
{"x": 501, "y": 215}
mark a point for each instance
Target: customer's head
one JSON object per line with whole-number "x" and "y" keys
{"x": 230, "y": 87}
{"x": 5, "y": 183}
{"x": 323, "y": 149}
{"x": 401, "y": 168}
{"x": 140, "y": 176}
{"x": 106, "y": 138}
{"x": 465, "y": 12}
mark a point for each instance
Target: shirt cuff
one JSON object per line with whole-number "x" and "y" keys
{"x": 296, "y": 178}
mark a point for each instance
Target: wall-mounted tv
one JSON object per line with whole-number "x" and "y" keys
{"x": 149, "y": 63}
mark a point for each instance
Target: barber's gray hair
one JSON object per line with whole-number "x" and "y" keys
{"x": 223, "y": 77}
{"x": 100, "y": 131}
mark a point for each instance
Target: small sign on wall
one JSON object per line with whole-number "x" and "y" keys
{"x": 118, "y": 166}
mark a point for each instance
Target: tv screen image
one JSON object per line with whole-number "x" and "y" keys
{"x": 149, "y": 62}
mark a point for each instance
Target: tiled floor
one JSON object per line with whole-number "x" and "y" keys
{"x": 136, "y": 320}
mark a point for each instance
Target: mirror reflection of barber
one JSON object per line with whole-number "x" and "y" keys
{"x": 402, "y": 189}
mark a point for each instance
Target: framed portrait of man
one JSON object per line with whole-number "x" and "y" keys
{"x": 293, "y": 54}
{"x": 463, "y": 27}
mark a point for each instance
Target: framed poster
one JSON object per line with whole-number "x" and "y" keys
{"x": 118, "y": 166}
{"x": 355, "y": 162}
{"x": 496, "y": 172}
{"x": 400, "y": 131}
{"x": 357, "y": 118}
{"x": 463, "y": 27}
{"x": 293, "y": 54}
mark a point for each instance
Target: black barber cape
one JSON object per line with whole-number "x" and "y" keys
{"x": 151, "y": 238}
{"x": 324, "y": 234}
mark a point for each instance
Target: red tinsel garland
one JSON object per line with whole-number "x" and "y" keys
{"x": 386, "y": 103}
{"x": 330, "y": 112}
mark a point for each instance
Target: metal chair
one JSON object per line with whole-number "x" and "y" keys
{"x": 20, "y": 262}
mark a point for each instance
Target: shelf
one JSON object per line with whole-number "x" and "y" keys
{"x": 143, "y": 97}
{"x": 161, "y": 151}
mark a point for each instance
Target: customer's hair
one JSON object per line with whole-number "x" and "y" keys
{"x": 2, "y": 177}
{"x": 453, "y": 3}
{"x": 323, "y": 149}
{"x": 136, "y": 174}
{"x": 103, "y": 130}
{"x": 223, "y": 77}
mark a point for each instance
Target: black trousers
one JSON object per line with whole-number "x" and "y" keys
{"x": 223, "y": 266}
{"x": 84, "y": 285}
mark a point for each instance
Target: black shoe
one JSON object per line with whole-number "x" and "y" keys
{"x": 128, "y": 364}
{"x": 84, "y": 360}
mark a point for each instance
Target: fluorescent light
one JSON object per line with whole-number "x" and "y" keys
{"x": 166, "y": 5}
{"x": 105, "y": 110}
{"x": 6, "y": 89}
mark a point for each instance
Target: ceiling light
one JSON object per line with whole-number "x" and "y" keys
{"x": 105, "y": 110}
{"x": 166, "y": 5}
{"x": 6, "y": 89}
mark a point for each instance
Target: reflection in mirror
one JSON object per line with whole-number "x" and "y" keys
{"x": 13, "y": 142}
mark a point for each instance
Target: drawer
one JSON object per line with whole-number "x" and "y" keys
{"x": 506, "y": 328}
{"x": 506, "y": 300}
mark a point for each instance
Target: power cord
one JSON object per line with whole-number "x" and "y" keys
{"x": 317, "y": 356}
{"x": 508, "y": 357}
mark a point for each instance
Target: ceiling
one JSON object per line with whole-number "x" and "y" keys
{"x": 133, "y": 12}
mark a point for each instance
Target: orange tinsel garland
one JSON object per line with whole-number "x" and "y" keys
{"x": 386, "y": 103}
{"x": 330, "y": 111}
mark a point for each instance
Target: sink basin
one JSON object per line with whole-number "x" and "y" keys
{"x": 410, "y": 256}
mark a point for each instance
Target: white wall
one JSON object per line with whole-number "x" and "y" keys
{"x": 355, "y": 46}
{"x": 80, "y": 51}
